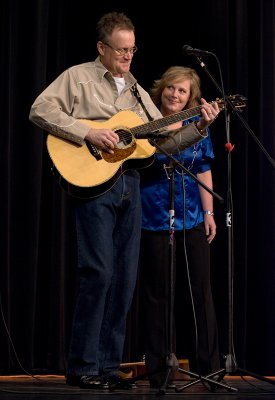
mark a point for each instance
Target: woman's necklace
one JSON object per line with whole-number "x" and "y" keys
{"x": 190, "y": 166}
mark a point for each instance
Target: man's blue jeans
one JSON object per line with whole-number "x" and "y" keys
{"x": 108, "y": 238}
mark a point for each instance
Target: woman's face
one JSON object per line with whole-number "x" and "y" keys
{"x": 175, "y": 97}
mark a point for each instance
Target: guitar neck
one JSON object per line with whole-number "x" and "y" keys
{"x": 166, "y": 121}
{"x": 238, "y": 101}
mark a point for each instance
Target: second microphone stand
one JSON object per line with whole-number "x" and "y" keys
{"x": 231, "y": 366}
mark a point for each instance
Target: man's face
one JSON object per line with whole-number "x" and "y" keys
{"x": 116, "y": 54}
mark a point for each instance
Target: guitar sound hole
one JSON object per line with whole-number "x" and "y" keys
{"x": 125, "y": 139}
{"x": 125, "y": 147}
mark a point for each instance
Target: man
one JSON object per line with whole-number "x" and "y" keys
{"x": 108, "y": 226}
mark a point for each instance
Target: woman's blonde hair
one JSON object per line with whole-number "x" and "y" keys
{"x": 175, "y": 74}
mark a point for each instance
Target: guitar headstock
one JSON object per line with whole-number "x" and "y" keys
{"x": 237, "y": 100}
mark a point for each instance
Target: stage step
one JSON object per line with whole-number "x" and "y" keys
{"x": 133, "y": 369}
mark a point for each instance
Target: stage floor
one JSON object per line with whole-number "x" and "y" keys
{"x": 53, "y": 387}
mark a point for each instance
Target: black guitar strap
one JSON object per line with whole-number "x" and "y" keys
{"x": 135, "y": 91}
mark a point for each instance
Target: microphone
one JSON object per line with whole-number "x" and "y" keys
{"x": 151, "y": 135}
{"x": 195, "y": 52}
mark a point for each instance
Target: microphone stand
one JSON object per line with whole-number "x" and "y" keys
{"x": 228, "y": 102}
{"x": 230, "y": 361}
{"x": 172, "y": 364}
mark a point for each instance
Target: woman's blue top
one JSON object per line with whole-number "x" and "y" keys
{"x": 186, "y": 203}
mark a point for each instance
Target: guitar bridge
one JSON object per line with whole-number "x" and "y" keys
{"x": 93, "y": 150}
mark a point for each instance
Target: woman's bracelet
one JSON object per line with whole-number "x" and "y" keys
{"x": 207, "y": 212}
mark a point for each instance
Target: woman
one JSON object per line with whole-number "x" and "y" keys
{"x": 194, "y": 229}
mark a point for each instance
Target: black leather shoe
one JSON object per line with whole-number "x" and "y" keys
{"x": 109, "y": 382}
{"x": 93, "y": 382}
{"x": 86, "y": 382}
{"x": 116, "y": 382}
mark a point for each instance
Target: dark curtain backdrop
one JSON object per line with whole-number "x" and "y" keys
{"x": 39, "y": 39}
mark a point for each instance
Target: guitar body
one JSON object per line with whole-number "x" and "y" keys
{"x": 84, "y": 174}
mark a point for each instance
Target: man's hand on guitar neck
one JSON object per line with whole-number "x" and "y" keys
{"x": 105, "y": 139}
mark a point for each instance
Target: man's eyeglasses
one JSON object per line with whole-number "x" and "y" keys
{"x": 123, "y": 52}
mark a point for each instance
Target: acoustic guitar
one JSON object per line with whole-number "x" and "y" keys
{"x": 86, "y": 171}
